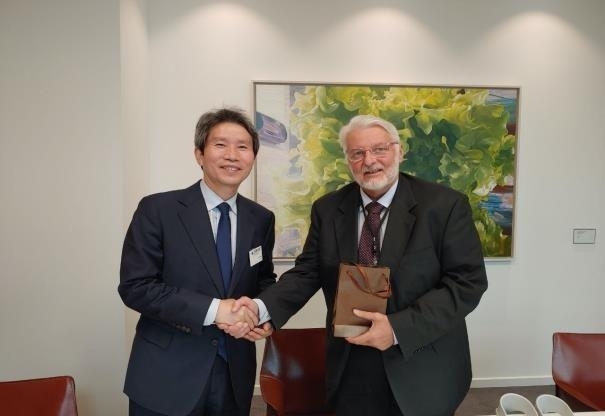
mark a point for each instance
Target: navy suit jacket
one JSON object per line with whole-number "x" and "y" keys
{"x": 170, "y": 274}
{"x": 437, "y": 277}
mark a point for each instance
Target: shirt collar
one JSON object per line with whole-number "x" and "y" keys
{"x": 213, "y": 200}
{"x": 384, "y": 200}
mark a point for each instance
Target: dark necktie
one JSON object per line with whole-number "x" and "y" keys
{"x": 223, "y": 244}
{"x": 370, "y": 235}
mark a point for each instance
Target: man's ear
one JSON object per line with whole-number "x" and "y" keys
{"x": 199, "y": 156}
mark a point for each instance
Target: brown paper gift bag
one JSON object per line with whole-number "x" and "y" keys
{"x": 366, "y": 288}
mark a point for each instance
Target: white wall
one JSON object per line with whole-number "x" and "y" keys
{"x": 98, "y": 102}
{"x": 61, "y": 191}
{"x": 134, "y": 85}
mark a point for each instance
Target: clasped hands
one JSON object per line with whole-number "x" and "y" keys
{"x": 239, "y": 318}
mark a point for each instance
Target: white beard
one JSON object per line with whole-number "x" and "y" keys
{"x": 380, "y": 183}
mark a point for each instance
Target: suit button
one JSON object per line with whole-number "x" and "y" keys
{"x": 214, "y": 342}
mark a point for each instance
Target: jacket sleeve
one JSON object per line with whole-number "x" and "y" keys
{"x": 296, "y": 286}
{"x": 143, "y": 286}
{"x": 461, "y": 283}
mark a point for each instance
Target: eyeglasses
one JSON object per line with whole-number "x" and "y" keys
{"x": 355, "y": 155}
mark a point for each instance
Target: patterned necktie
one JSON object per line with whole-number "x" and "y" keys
{"x": 223, "y": 244}
{"x": 370, "y": 232}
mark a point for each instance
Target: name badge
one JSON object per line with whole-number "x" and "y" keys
{"x": 256, "y": 255}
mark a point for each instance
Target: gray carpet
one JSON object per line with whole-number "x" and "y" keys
{"x": 481, "y": 401}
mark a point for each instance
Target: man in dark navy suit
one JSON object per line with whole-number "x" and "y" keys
{"x": 415, "y": 359}
{"x": 184, "y": 283}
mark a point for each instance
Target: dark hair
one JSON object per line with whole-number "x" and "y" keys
{"x": 223, "y": 115}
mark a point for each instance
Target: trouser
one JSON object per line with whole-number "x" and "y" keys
{"x": 216, "y": 400}
{"x": 364, "y": 389}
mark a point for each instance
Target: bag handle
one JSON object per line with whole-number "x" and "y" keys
{"x": 382, "y": 293}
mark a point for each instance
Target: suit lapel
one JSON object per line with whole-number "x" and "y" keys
{"x": 194, "y": 216}
{"x": 345, "y": 225}
{"x": 399, "y": 225}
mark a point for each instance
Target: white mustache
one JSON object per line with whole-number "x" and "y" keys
{"x": 370, "y": 169}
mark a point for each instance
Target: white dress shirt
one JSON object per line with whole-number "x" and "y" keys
{"x": 212, "y": 202}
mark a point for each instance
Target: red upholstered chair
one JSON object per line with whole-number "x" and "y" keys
{"x": 578, "y": 369}
{"x": 292, "y": 375}
{"x": 52, "y": 396}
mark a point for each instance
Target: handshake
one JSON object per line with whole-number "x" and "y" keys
{"x": 239, "y": 318}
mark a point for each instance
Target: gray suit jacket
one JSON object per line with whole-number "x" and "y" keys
{"x": 170, "y": 274}
{"x": 437, "y": 276}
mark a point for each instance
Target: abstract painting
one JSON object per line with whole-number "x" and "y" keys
{"x": 463, "y": 137}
